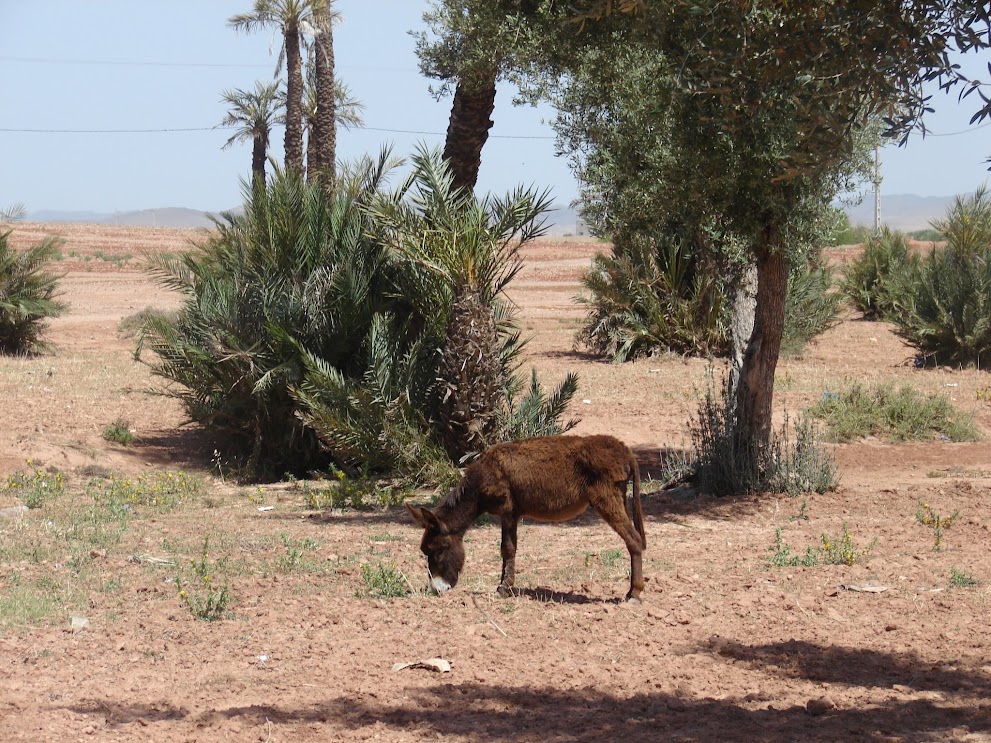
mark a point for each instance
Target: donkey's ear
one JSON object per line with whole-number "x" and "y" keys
{"x": 418, "y": 515}
{"x": 426, "y": 518}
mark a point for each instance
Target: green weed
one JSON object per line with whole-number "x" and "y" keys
{"x": 119, "y": 432}
{"x": 294, "y": 558}
{"x": 383, "y": 581}
{"x": 960, "y": 579}
{"x": 937, "y": 522}
{"x": 202, "y": 597}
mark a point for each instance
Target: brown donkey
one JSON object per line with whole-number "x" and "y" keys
{"x": 553, "y": 478}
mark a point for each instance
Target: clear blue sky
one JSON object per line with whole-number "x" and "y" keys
{"x": 149, "y": 64}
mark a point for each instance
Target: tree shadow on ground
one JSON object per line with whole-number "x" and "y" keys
{"x": 856, "y": 667}
{"x": 478, "y": 711}
{"x": 175, "y": 447}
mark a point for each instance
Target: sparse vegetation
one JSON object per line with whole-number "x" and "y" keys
{"x": 939, "y": 523}
{"x": 838, "y": 550}
{"x": 162, "y": 491}
{"x": 35, "y": 486}
{"x": 383, "y": 582}
{"x": 895, "y": 413}
{"x": 293, "y": 560}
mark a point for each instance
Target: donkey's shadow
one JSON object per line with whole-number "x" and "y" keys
{"x": 550, "y": 596}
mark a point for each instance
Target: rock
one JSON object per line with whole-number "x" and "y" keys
{"x": 13, "y": 511}
{"x": 820, "y": 706}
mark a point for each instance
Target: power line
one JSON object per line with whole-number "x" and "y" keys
{"x": 140, "y": 63}
{"x": 212, "y": 128}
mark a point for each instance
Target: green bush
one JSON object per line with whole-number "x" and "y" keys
{"x": 811, "y": 307}
{"x": 946, "y": 312}
{"x": 652, "y": 296}
{"x": 655, "y": 296}
{"x": 27, "y": 294}
{"x": 314, "y": 331}
{"x": 874, "y": 279}
{"x": 897, "y": 414}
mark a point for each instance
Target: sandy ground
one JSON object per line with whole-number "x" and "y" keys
{"x": 724, "y": 647}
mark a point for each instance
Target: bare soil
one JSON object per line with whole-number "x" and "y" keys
{"x": 724, "y": 647}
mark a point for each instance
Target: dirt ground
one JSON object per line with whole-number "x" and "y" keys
{"x": 724, "y": 647}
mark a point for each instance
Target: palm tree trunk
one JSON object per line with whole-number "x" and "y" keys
{"x": 294, "y": 101}
{"x": 325, "y": 124}
{"x": 468, "y": 128}
{"x": 259, "y": 151}
{"x": 755, "y": 390}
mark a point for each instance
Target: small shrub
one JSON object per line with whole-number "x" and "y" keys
{"x": 358, "y": 492}
{"x": 27, "y": 294}
{"x": 201, "y": 595}
{"x": 383, "y": 581}
{"x": 781, "y": 555}
{"x": 902, "y": 414}
{"x": 721, "y": 468}
{"x": 119, "y": 432}
{"x": 937, "y": 522}
{"x": 133, "y": 325}
{"x": 960, "y": 579}
{"x": 872, "y": 280}
{"x": 35, "y": 486}
{"x": 841, "y": 550}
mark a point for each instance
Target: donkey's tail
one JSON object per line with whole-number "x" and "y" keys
{"x": 637, "y": 505}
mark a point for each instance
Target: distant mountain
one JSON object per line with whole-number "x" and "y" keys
{"x": 905, "y": 212}
{"x": 167, "y": 217}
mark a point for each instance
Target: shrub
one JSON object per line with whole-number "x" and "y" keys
{"x": 947, "y": 305}
{"x": 720, "y": 467}
{"x": 898, "y": 414}
{"x": 873, "y": 279}
{"x": 36, "y": 486}
{"x": 811, "y": 307}
{"x": 319, "y": 331}
{"x": 27, "y": 294}
{"x": 653, "y": 295}
{"x": 119, "y": 432}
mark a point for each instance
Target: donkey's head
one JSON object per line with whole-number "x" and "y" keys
{"x": 444, "y": 550}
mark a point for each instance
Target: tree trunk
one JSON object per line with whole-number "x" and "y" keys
{"x": 294, "y": 102}
{"x": 325, "y": 123}
{"x": 754, "y": 394}
{"x": 259, "y": 148}
{"x": 741, "y": 324}
{"x": 468, "y": 129}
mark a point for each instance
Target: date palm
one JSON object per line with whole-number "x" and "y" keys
{"x": 253, "y": 114}
{"x": 292, "y": 18}
{"x": 471, "y": 249}
{"x": 347, "y": 115}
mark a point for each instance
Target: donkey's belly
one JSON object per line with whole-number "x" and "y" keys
{"x": 560, "y": 513}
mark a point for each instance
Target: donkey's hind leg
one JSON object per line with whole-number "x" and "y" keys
{"x": 610, "y": 503}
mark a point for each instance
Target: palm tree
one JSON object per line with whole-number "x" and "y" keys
{"x": 253, "y": 114}
{"x": 323, "y": 129}
{"x": 468, "y": 128}
{"x": 347, "y": 114}
{"x": 292, "y": 17}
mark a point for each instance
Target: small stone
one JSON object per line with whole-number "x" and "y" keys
{"x": 78, "y": 623}
{"x": 675, "y": 704}
{"x": 820, "y": 706}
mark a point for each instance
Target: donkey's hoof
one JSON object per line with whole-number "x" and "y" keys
{"x": 504, "y": 591}
{"x": 633, "y": 601}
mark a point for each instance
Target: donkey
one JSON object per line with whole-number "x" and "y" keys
{"x": 551, "y": 478}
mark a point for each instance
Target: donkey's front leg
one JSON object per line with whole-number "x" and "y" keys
{"x": 509, "y": 524}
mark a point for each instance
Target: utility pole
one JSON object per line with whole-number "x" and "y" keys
{"x": 877, "y": 189}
